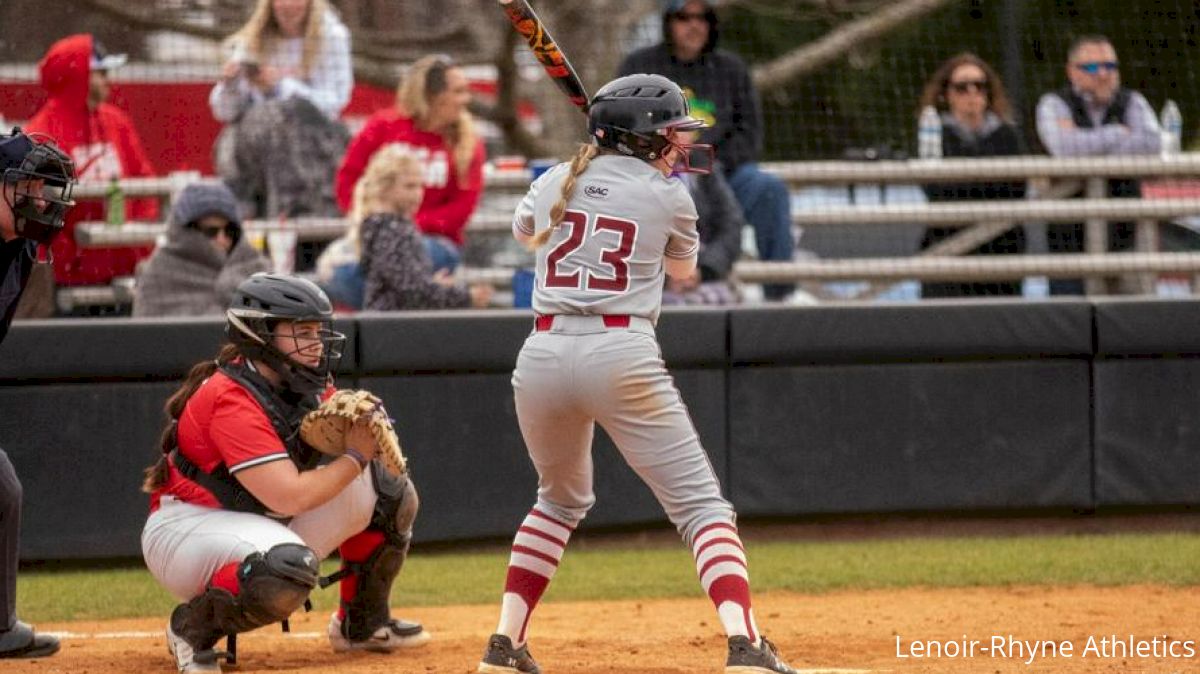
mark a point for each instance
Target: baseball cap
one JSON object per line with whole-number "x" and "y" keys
{"x": 17, "y": 152}
{"x": 102, "y": 60}
{"x": 13, "y": 149}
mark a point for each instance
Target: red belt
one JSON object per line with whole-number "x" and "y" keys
{"x": 544, "y": 323}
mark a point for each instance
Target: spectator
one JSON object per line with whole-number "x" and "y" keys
{"x": 36, "y": 193}
{"x": 1094, "y": 116}
{"x": 280, "y": 95}
{"x": 339, "y": 273}
{"x": 204, "y": 258}
{"x": 430, "y": 120}
{"x": 720, "y": 227}
{"x": 721, "y": 92}
{"x": 395, "y": 264}
{"x": 103, "y": 143}
{"x": 976, "y": 122}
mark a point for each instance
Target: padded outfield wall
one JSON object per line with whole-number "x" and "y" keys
{"x": 932, "y": 407}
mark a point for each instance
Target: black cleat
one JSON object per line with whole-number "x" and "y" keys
{"x": 501, "y": 658}
{"x": 746, "y": 658}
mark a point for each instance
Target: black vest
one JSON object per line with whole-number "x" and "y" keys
{"x": 1115, "y": 114}
{"x": 285, "y": 412}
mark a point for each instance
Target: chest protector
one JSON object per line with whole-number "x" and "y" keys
{"x": 285, "y": 411}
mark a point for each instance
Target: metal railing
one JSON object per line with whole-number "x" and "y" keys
{"x": 1050, "y": 179}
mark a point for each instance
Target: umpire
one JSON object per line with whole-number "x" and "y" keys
{"x": 36, "y": 180}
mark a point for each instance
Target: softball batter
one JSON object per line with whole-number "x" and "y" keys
{"x": 606, "y": 226}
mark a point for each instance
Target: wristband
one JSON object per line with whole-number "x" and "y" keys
{"x": 358, "y": 457}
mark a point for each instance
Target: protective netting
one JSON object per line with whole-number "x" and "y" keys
{"x": 841, "y": 82}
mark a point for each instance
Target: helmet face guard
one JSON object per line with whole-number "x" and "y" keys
{"x": 42, "y": 185}
{"x": 637, "y": 116}
{"x": 259, "y": 338}
{"x": 261, "y": 304}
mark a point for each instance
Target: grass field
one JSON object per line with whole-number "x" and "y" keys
{"x": 664, "y": 571}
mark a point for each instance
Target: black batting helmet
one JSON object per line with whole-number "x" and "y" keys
{"x": 633, "y": 114}
{"x": 260, "y": 304}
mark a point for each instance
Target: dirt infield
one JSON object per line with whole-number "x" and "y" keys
{"x": 844, "y": 631}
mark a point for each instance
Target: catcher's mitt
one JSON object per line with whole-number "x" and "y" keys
{"x": 325, "y": 428}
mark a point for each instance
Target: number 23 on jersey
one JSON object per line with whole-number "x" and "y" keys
{"x": 585, "y": 239}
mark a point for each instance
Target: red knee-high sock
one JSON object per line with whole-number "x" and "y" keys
{"x": 357, "y": 548}
{"x": 226, "y": 578}
{"x": 536, "y": 551}
{"x": 721, "y": 565}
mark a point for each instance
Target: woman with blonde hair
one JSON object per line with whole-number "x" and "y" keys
{"x": 431, "y": 120}
{"x": 976, "y": 122}
{"x": 286, "y": 82}
{"x": 393, "y": 262}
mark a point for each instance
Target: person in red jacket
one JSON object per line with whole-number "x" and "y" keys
{"x": 430, "y": 119}
{"x": 102, "y": 141}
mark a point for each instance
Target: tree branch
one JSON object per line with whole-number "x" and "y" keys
{"x": 804, "y": 60}
{"x": 373, "y": 63}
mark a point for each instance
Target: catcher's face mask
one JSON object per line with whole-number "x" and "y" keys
{"x": 311, "y": 350}
{"x": 308, "y": 343}
{"x": 302, "y": 353}
{"x": 37, "y": 187}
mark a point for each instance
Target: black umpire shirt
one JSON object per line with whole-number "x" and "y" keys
{"x": 16, "y": 264}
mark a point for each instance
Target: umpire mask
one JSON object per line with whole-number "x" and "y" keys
{"x": 43, "y": 177}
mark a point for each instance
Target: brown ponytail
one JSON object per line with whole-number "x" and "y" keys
{"x": 579, "y": 164}
{"x": 155, "y": 476}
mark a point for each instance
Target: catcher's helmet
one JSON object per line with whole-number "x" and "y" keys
{"x": 261, "y": 303}
{"x": 633, "y": 115}
{"x": 26, "y": 158}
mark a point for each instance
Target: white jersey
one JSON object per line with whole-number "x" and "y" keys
{"x": 606, "y": 257}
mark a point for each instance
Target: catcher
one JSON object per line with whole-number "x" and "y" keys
{"x": 244, "y": 504}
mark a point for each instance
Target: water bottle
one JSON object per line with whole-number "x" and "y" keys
{"x": 1172, "y": 128}
{"x": 929, "y": 134}
{"x": 114, "y": 203}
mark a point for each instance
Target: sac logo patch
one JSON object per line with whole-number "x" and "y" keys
{"x": 596, "y": 191}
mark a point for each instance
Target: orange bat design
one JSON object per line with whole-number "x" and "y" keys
{"x": 546, "y": 50}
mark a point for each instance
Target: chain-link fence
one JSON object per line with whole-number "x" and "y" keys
{"x": 838, "y": 81}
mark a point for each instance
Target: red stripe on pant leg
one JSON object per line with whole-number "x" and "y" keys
{"x": 537, "y": 513}
{"x": 715, "y": 525}
{"x": 357, "y": 548}
{"x": 721, "y": 558}
{"x": 737, "y": 590}
{"x": 538, "y": 554}
{"x": 714, "y": 541}
{"x": 541, "y": 534}
{"x": 226, "y": 578}
{"x": 525, "y": 584}
{"x": 529, "y": 586}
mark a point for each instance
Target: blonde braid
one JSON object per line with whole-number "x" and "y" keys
{"x": 579, "y": 164}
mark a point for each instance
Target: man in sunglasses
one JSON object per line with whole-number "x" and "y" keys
{"x": 721, "y": 92}
{"x": 35, "y": 193}
{"x": 1094, "y": 116}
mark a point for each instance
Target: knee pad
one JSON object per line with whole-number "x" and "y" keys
{"x": 395, "y": 506}
{"x": 271, "y": 586}
{"x": 275, "y": 584}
